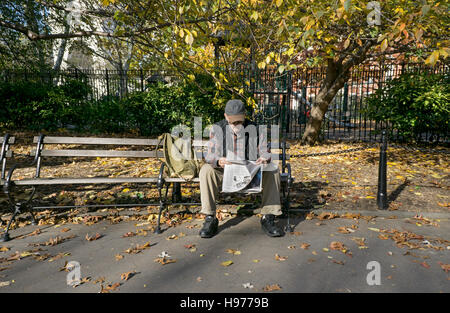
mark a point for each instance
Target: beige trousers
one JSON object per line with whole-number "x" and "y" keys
{"x": 211, "y": 179}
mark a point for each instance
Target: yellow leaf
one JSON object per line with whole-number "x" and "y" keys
{"x": 279, "y": 3}
{"x": 254, "y": 15}
{"x": 433, "y": 58}
{"x": 226, "y": 263}
{"x": 189, "y": 39}
{"x": 384, "y": 45}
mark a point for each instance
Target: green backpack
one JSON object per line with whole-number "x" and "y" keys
{"x": 176, "y": 164}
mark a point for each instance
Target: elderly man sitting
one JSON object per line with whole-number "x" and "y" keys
{"x": 229, "y": 136}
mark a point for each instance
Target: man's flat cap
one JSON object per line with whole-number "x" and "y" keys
{"x": 235, "y": 110}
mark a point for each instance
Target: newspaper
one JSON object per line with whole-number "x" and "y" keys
{"x": 242, "y": 176}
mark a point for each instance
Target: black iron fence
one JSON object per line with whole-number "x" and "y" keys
{"x": 284, "y": 99}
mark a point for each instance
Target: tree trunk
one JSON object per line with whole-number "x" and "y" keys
{"x": 335, "y": 78}
{"x": 61, "y": 50}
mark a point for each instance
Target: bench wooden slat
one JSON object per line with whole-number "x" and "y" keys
{"x": 84, "y": 181}
{"x": 115, "y": 154}
{"x": 105, "y": 180}
{"x": 181, "y": 180}
{"x": 115, "y": 141}
{"x": 204, "y": 143}
{"x": 98, "y": 141}
{"x": 104, "y": 153}
{"x": 10, "y": 141}
{"x": 99, "y": 153}
{"x": 283, "y": 176}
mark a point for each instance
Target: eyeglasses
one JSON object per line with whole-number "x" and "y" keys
{"x": 236, "y": 123}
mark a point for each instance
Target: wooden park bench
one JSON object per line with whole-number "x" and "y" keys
{"x": 138, "y": 148}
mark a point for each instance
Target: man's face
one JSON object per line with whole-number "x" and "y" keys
{"x": 236, "y": 124}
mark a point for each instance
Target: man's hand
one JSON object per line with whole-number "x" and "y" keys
{"x": 262, "y": 161}
{"x": 222, "y": 162}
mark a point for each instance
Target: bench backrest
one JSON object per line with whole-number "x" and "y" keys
{"x": 6, "y": 141}
{"x": 148, "y": 148}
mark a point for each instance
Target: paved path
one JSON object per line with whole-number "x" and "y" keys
{"x": 199, "y": 269}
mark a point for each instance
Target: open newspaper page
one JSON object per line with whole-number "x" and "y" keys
{"x": 242, "y": 176}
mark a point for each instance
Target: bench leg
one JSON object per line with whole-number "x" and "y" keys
{"x": 158, "y": 227}
{"x": 287, "y": 206}
{"x": 17, "y": 207}
{"x": 162, "y": 205}
{"x": 176, "y": 193}
{"x": 6, "y": 236}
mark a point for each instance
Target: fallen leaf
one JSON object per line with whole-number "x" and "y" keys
{"x": 305, "y": 246}
{"x": 138, "y": 248}
{"x": 338, "y": 262}
{"x": 109, "y": 288}
{"x": 95, "y": 237}
{"x": 99, "y": 280}
{"x": 445, "y": 267}
{"x": 226, "y": 263}
{"x": 59, "y": 256}
{"x": 272, "y": 287}
{"x": 164, "y": 260}
{"x": 336, "y": 245}
{"x": 327, "y": 216}
{"x": 118, "y": 257}
{"x": 5, "y": 283}
{"x": 127, "y": 275}
{"x": 234, "y": 252}
{"x": 280, "y": 258}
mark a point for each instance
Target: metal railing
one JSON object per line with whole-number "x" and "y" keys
{"x": 284, "y": 99}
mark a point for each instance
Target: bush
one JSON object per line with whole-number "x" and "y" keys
{"x": 161, "y": 107}
{"x": 36, "y": 106}
{"x": 413, "y": 104}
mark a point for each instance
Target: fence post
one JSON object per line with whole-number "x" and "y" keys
{"x": 381, "y": 195}
{"x": 345, "y": 104}
{"x": 107, "y": 83}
